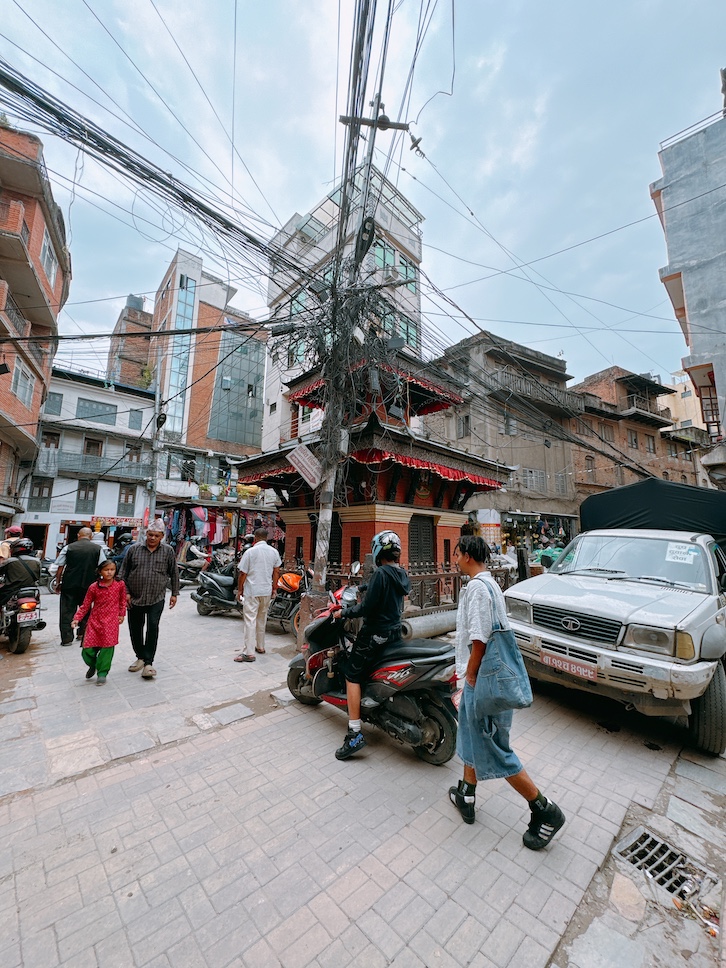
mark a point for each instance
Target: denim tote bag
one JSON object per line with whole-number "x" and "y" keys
{"x": 502, "y": 682}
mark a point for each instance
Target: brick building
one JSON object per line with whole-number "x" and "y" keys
{"x": 35, "y": 274}
{"x": 628, "y": 433}
{"x": 128, "y": 355}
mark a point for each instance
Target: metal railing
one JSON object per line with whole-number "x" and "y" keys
{"x": 645, "y": 405}
{"x": 692, "y": 129}
{"x": 13, "y": 313}
{"x": 553, "y": 396}
{"x": 91, "y": 466}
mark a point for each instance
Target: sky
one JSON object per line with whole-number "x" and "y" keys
{"x": 540, "y": 127}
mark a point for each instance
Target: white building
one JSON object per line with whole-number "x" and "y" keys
{"x": 391, "y": 263}
{"x": 94, "y": 462}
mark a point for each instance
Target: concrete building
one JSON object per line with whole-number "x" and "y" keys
{"x": 35, "y": 274}
{"x": 517, "y": 414}
{"x": 690, "y": 199}
{"x": 94, "y": 461}
{"x": 390, "y": 268}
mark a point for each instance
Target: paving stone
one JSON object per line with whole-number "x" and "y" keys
{"x": 232, "y": 714}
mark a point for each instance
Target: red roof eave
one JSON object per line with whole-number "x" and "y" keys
{"x": 376, "y": 456}
{"x": 256, "y": 477}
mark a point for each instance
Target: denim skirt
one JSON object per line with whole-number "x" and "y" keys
{"x": 483, "y": 743}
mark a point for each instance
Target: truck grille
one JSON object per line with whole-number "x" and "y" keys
{"x": 581, "y": 626}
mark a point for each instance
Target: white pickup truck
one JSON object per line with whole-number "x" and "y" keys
{"x": 636, "y": 615}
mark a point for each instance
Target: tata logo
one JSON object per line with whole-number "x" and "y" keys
{"x": 570, "y": 624}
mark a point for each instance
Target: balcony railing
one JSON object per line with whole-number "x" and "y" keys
{"x": 85, "y": 507}
{"x": 553, "y": 397}
{"x": 644, "y": 405}
{"x": 20, "y": 323}
{"x": 114, "y": 467}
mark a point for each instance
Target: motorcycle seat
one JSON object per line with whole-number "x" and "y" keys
{"x": 225, "y": 580}
{"x": 417, "y": 649}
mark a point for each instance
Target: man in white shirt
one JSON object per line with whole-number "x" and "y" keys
{"x": 259, "y": 571}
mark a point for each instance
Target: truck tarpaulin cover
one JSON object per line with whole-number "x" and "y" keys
{"x": 657, "y": 504}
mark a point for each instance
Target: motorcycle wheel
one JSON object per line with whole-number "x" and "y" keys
{"x": 440, "y": 737}
{"x": 294, "y": 684}
{"x": 204, "y": 609}
{"x": 52, "y": 585}
{"x": 295, "y": 622}
{"x": 19, "y": 640}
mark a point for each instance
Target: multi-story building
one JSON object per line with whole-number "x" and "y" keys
{"x": 689, "y": 199}
{"x": 210, "y": 363}
{"x": 128, "y": 355}
{"x": 35, "y": 273}
{"x": 300, "y": 282}
{"x": 517, "y": 413}
{"x": 94, "y": 462}
{"x": 628, "y": 433}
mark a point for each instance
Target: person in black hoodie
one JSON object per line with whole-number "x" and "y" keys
{"x": 381, "y": 612}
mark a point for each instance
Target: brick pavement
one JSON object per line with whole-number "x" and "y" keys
{"x": 250, "y": 845}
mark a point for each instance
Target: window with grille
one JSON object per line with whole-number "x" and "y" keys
{"x": 49, "y": 439}
{"x": 41, "y": 489}
{"x": 92, "y": 447}
{"x": 421, "y": 542}
{"x": 86, "y": 497}
{"x": 95, "y": 412}
{"x": 133, "y": 454}
{"x": 126, "y": 500}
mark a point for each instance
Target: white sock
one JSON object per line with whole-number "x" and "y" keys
{"x": 354, "y": 725}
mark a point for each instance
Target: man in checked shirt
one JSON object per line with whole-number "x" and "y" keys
{"x": 147, "y": 569}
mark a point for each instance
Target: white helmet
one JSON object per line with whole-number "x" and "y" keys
{"x": 384, "y": 541}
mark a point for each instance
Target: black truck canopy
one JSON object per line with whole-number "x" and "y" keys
{"x": 657, "y": 504}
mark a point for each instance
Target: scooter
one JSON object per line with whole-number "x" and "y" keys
{"x": 217, "y": 592}
{"x": 291, "y": 589}
{"x": 20, "y": 617}
{"x": 408, "y": 694}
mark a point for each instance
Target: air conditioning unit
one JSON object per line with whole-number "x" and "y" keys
{"x": 391, "y": 274}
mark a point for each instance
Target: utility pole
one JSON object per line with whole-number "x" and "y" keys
{"x": 158, "y": 422}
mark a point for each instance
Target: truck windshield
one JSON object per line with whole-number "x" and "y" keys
{"x": 678, "y": 563}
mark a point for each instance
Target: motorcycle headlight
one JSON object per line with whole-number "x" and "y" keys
{"x": 648, "y": 638}
{"x": 519, "y": 610}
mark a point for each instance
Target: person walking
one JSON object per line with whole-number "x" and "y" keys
{"x": 381, "y": 610}
{"x": 483, "y": 742}
{"x": 259, "y": 570}
{"x": 20, "y": 568}
{"x": 146, "y": 570}
{"x": 105, "y": 606}
{"x": 75, "y": 571}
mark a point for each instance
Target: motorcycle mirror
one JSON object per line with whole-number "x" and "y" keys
{"x": 355, "y": 568}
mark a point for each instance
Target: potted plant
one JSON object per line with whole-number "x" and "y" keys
{"x": 205, "y": 492}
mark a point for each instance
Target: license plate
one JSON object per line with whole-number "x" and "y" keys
{"x": 27, "y": 617}
{"x": 560, "y": 662}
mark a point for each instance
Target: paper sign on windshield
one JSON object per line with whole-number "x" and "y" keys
{"x": 683, "y": 554}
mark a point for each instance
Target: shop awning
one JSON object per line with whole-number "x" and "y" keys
{"x": 268, "y": 475}
{"x": 376, "y": 456}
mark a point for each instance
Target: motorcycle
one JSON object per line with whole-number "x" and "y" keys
{"x": 217, "y": 591}
{"x": 20, "y": 617}
{"x": 291, "y": 589}
{"x": 408, "y": 694}
{"x": 200, "y": 561}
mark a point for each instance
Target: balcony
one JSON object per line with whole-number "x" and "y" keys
{"x": 18, "y": 322}
{"x": 114, "y": 468}
{"x": 646, "y": 410}
{"x": 553, "y": 399}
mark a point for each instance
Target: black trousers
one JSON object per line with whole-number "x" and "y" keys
{"x": 70, "y": 599}
{"x": 144, "y": 645}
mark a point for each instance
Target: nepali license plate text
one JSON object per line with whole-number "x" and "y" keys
{"x": 563, "y": 664}
{"x": 27, "y": 617}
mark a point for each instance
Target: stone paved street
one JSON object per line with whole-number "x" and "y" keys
{"x": 191, "y": 822}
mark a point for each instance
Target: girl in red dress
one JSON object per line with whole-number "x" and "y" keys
{"x": 106, "y": 601}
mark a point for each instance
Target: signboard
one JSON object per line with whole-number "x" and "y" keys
{"x": 62, "y": 507}
{"x": 127, "y": 522}
{"x": 306, "y": 464}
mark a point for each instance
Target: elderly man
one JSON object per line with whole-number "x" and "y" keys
{"x": 147, "y": 569}
{"x": 259, "y": 571}
{"x": 75, "y": 571}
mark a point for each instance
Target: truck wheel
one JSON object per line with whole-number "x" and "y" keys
{"x": 707, "y": 723}
{"x": 439, "y": 737}
{"x": 295, "y": 680}
{"x": 19, "y": 640}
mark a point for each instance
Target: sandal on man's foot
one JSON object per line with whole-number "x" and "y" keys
{"x": 464, "y": 804}
{"x": 543, "y": 825}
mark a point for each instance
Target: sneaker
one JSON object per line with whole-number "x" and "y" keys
{"x": 101, "y": 681}
{"x": 543, "y": 825}
{"x": 136, "y": 666}
{"x": 464, "y": 804}
{"x": 353, "y": 743}
{"x": 149, "y": 672}
{"x": 91, "y": 673}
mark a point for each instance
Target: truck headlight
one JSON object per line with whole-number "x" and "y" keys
{"x": 685, "y": 649}
{"x": 519, "y": 610}
{"x": 649, "y": 639}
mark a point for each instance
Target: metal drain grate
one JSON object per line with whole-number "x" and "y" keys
{"x": 667, "y": 865}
